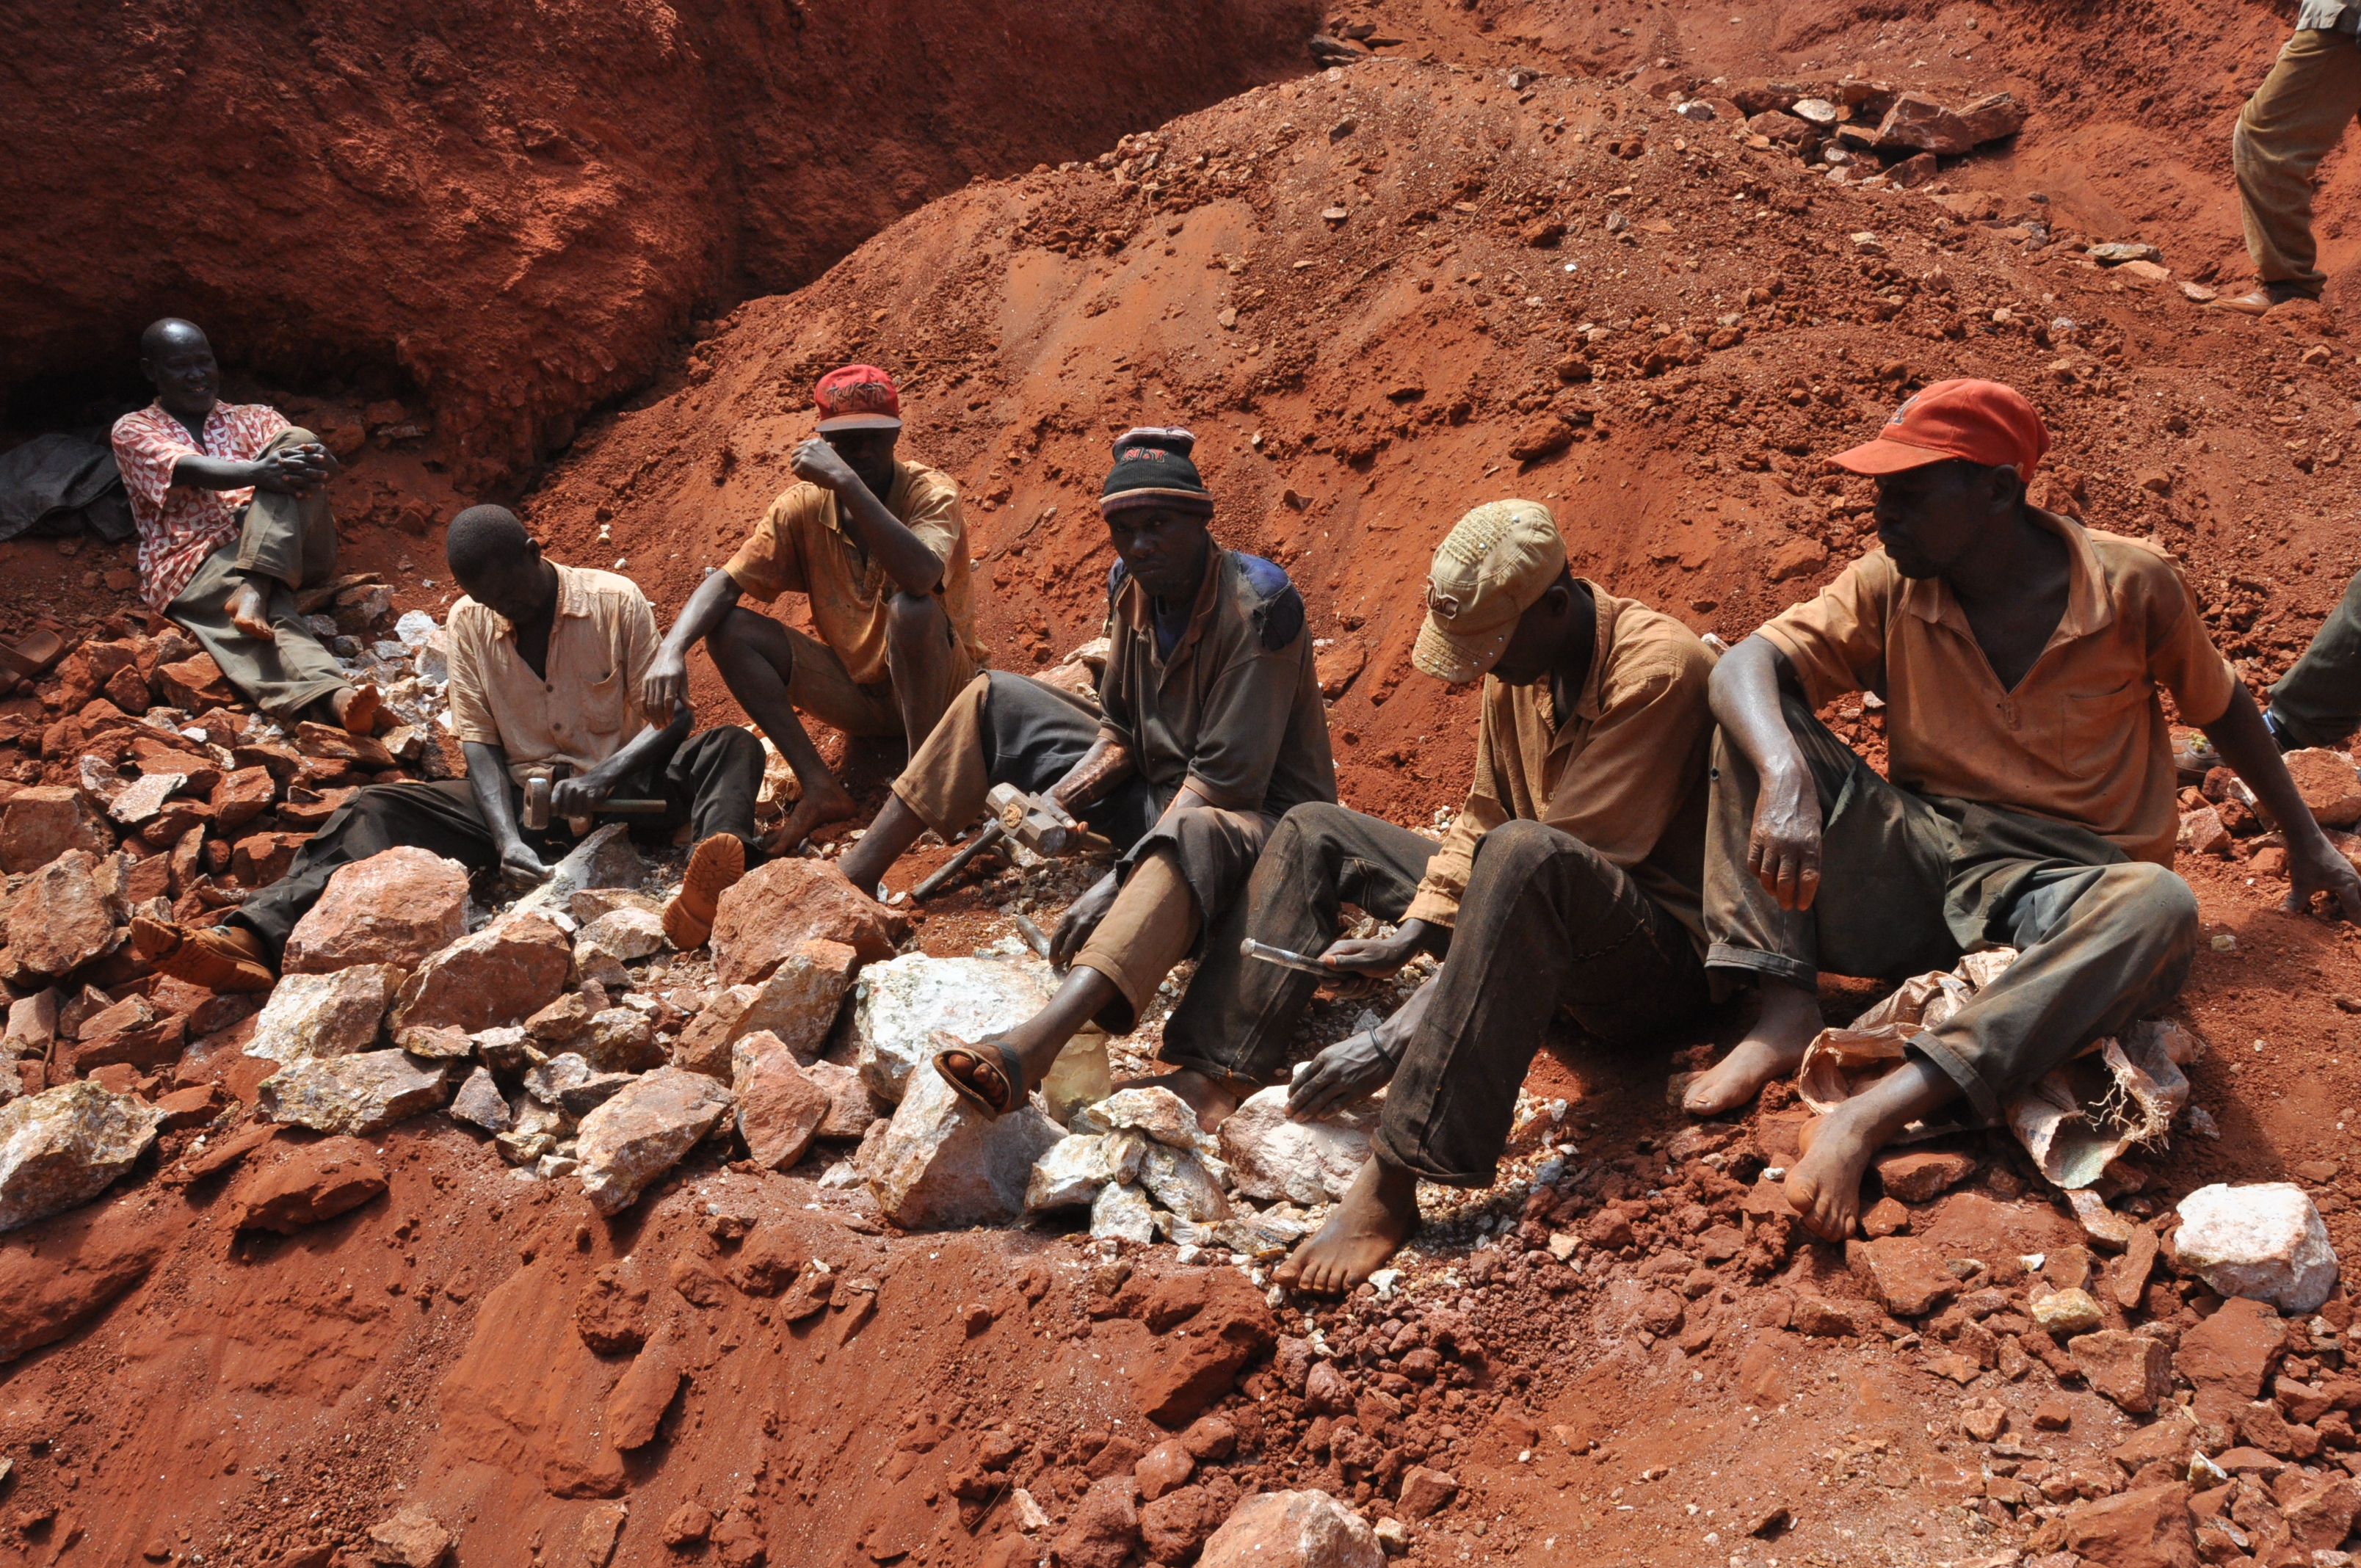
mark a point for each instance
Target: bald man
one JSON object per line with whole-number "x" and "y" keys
{"x": 547, "y": 662}
{"x": 232, "y": 507}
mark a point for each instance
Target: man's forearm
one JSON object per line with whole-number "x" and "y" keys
{"x": 714, "y": 598}
{"x": 487, "y": 775}
{"x": 1104, "y": 764}
{"x": 914, "y": 568}
{"x": 203, "y": 473}
{"x": 1394, "y": 1034}
{"x": 2243, "y": 742}
{"x": 654, "y": 743}
{"x": 1744, "y": 694}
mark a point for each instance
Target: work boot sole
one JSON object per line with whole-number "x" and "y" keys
{"x": 714, "y": 867}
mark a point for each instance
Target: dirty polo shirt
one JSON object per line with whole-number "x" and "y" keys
{"x": 1234, "y": 711}
{"x": 803, "y": 546}
{"x": 1625, "y": 773}
{"x": 599, "y": 648}
{"x": 2082, "y": 740}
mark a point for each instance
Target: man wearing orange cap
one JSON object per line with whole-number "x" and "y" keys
{"x": 876, "y": 546}
{"x": 2031, "y": 802}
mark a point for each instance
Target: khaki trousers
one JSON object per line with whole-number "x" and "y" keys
{"x": 909, "y": 702}
{"x": 288, "y": 542}
{"x": 2295, "y": 118}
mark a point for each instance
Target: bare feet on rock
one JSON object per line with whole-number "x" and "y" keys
{"x": 1378, "y": 1213}
{"x": 249, "y": 611}
{"x": 814, "y": 811}
{"x": 1824, "y": 1185}
{"x": 1212, "y": 1097}
{"x": 356, "y": 708}
{"x": 1787, "y": 1019}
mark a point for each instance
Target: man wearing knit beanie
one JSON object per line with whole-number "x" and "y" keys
{"x": 1210, "y": 729}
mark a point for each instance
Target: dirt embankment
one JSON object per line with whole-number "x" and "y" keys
{"x": 515, "y": 213}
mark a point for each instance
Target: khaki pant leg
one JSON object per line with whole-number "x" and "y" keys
{"x": 1151, "y": 927}
{"x": 288, "y": 539}
{"x": 2294, "y": 119}
{"x": 821, "y": 686}
{"x": 283, "y": 676}
{"x": 946, "y": 781}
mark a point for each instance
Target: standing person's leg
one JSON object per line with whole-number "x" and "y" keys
{"x": 1238, "y": 1015}
{"x": 2098, "y": 946}
{"x": 774, "y": 671}
{"x": 2295, "y": 118}
{"x": 1547, "y": 922}
{"x": 247, "y": 947}
{"x": 924, "y": 662}
{"x": 1884, "y": 862}
{"x": 710, "y": 781}
{"x": 2318, "y": 702}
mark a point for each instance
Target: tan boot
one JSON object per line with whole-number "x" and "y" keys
{"x": 217, "y": 957}
{"x": 2262, "y": 301}
{"x": 714, "y": 867}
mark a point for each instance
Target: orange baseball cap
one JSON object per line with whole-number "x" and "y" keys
{"x": 858, "y": 397}
{"x": 1980, "y": 421}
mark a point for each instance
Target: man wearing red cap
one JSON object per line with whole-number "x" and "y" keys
{"x": 876, "y": 546}
{"x": 2032, "y": 798}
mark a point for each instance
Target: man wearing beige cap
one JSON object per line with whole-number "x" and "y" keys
{"x": 2028, "y": 802}
{"x": 1571, "y": 880}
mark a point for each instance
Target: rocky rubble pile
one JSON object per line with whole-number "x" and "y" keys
{"x": 1857, "y": 130}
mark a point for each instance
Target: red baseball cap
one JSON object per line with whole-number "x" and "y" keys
{"x": 858, "y": 397}
{"x": 1981, "y": 422}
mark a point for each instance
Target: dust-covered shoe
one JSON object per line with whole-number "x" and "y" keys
{"x": 217, "y": 958}
{"x": 2262, "y": 301}
{"x": 714, "y": 867}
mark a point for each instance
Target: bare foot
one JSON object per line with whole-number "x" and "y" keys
{"x": 817, "y": 808}
{"x": 1787, "y": 1019}
{"x": 1378, "y": 1213}
{"x": 1824, "y": 1185}
{"x": 249, "y": 611}
{"x": 1212, "y": 1097}
{"x": 356, "y": 708}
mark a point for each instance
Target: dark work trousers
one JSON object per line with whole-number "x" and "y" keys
{"x": 709, "y": 782}
{"x": 1240, "y": 1013}
{"x": 2318, "y": 702}
{"x": 1548, "y": 924}
{"x": 1908, "y": 883}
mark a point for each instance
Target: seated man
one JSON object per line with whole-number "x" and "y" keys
{"x": 2031, "y": 802}
{"x": 1213, "y": 730}
{"x": 233, "y": 520}
{"x": 877, "y": 548}
{"x": 544, "y": 661}
{"x": 1572, "y": 879}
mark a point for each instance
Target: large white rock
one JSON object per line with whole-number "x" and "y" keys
{"x": 365, "y": 1092}
{"x": 1292, "y": 1530}
{"x": 627, "y": 932}
{"x": 1122, "y": 1211}
{"x": 900, "y": 1003}
{"x": 1271, "y": 1157}
{"x": 1179, "y": 1183}
{"x": 63, "y": 1146}
{"x": 603, "y": 859}
{"x": 2264, "y": 1240}
{"x": 940, "y": 1162}
{"x": 324, "y": 1015}
{"x": 1153, "y": 1110}
{"x": 1069, "y": 1174}
{"x": 643, "y": 1132}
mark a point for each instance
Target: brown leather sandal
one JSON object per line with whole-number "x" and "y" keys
{"x": 993, "y": 1087}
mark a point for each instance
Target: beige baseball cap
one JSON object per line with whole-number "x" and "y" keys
{"x": 1491, "y": 567}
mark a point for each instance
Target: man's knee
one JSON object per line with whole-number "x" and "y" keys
{"x": 741, "y": 631}
{"x": 915, "y": 620}
{"x": 295, "y": 435}
{"x": 1518, "y": 848}
{"x": 735, "y": 746}
{"x": 1311, "y": 822}
{"x": 2153, "y": 902}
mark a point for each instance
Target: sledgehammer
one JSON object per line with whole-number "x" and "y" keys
{"x": 536, "y": 808}
{"x": 1036, "y": 821}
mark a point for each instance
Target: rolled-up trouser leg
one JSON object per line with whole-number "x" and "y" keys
{"x": 440, "y": 816}
{"x": 1239, "y": 1013}
{"x": 2295, "y": 119}
{"x": 1884, "y": 863}
{"x": 2319, "y": 700}
{"x": 2098, "y": 946}
{"x": 1547, "y": 922}
{"x": 1152, "y": 926}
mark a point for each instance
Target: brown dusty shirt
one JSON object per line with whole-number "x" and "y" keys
{"x": 1625, "y": 773}
{"x": 600, "y": 646}
{"x": 1234, "y": 711}
{"x": 2082, "y": 740}
{"x": 801, "y": 546}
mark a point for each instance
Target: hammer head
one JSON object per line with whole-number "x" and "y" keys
{"x": 1036, "y": 821}
{"x": 537, "y": 804}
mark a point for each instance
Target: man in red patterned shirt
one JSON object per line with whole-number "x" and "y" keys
{"x": 233, "y": 518}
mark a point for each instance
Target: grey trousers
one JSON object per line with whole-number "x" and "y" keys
{"x": 289, "y": 543}
{"x": 2319, "y": 700}
{"x": 1908, "y": 883}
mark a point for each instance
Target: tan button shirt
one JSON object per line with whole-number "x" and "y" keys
{"x": 2082, "y": 740}
{"x": 1626, "y": 773}
{"x": 599, "y": 647}
{"x": 801, "y": 547}
{"x": 1240, "y": 722}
